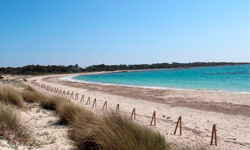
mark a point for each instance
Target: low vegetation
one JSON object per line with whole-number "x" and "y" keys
{"x": 88, "y": 130}
{"x": 116, "y": 132}
{"x": 92, "y": 131}
{"x": 68, "y": 111}
{"x": 11, "y": 96}
{"x": 11, "y": 128}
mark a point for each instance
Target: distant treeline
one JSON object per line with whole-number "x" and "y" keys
{"x": 103, "y": 67}
{"x": 37, "y": 69}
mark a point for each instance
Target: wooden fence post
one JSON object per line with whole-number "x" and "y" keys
{"x": 76, "y": 97}
{"x": 94, "y": 103}
{"x": 133, "y": 113}
{"x": 214, "y": 136}
{"x": 82, "y": 98}
{"x": 117, "y": 110}
{"x": 67, "y": 94}
{"x": 153, "y": 118}
{"x": 105, "y": 105}
{"x": 88, "y": 101}
{"x": 71, "y": 96}
{"x": 179, "y": 121}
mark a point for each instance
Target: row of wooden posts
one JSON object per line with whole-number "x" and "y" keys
{"x": 70, "y": 95}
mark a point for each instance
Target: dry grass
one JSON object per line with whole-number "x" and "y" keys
{"x": 10, "y": 127}
{"x": 47, "y": 102}
{"x": 113, "y": 132}
{"x": 52, "y": 102}
{"x": 67, "y": 111}
{"x": 30, "y": 95}
{"x": 91, "y": 131}
{"x": 11, "y": 96}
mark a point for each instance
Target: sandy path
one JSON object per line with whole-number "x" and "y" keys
{"x": 232, "y": 125}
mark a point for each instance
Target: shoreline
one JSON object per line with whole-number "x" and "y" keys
{"x": 70, "y": 78}
{"x": 224, "y": 102}
{"x": 199, "y": 109}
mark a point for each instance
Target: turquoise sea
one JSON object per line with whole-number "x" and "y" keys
{"x": 223, "y": 78}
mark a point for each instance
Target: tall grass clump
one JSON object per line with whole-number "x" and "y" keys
{"x": 52, "y": 102}
{"x": 47, "y": 102}
{"x": 31, "y": 95}
{"x": 11, "y": 96}
{"x": 11, "y": 128}
{"x": 114, "y": 132}
{"x": 67, "y": 111}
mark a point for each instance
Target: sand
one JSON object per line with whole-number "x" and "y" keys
{"x": 199, "y": 110}
{"x": 42, "y": 124}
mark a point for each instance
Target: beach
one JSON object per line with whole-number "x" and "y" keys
{"x": 199, "y": 110}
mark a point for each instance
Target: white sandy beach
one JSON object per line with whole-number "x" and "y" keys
{"x": 199, "y": 110}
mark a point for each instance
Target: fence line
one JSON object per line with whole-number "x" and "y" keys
{"x": 133, "y": 114}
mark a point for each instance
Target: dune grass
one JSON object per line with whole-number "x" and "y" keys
{"x": 67, "y": 111}
{"x": 91, "y": 131}
{"x": 47, "y": 102}
{"x": 109, "y": 131}
{"x": 11, "y": 96}
{"x": 112, "y": 131}
{"x": 11, "y": 128}
{"x": 30, "y": 95}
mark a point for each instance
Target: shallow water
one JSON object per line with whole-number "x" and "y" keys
{"x": 226, "y": 78}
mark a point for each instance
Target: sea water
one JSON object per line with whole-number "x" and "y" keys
{"x": 220, "y": 78}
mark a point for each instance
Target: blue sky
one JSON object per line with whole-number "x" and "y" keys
{"x": 64, "y": 32}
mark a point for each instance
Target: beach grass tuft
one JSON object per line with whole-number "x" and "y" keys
{"x": 11, "y": 96}
{"x": 112, "y": 131}
{"x": 67, "y": 111}
{"x": 11, "y": 128}
{"x": 106, "y": 131}
{"x": 31, "y": 95}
